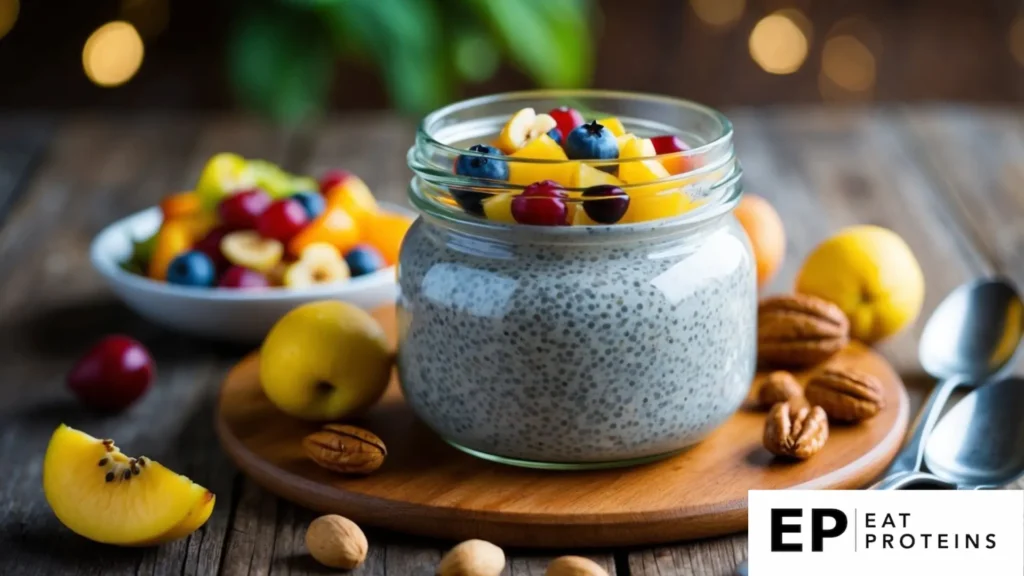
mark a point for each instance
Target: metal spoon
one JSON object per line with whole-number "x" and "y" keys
{"x": 972, "y": 336}
{"x": 980, "y": 442}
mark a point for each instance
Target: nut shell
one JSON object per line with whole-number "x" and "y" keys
{"x": 846, "y": 395}
{"x": 345, "y": 449}
{"x": 336, "y": 542}
{"x": 574, "y": 566}
{"x": 472, "y": 558}
{"x": 779, "y": 386}
{"x": 795, "y": 432}
{"x": 799, "y": 330}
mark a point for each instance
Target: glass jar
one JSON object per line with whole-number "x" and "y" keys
{"x": 577, "y": 346}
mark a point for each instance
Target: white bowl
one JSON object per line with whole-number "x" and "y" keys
{"x": 238, "y": 315}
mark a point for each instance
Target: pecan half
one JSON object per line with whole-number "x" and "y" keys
{"x": 846, "y": 395}
{"x": 346, "y": 449}
{"x": 779, "y": 386}
{"x": 796, "y": 432}
{"x": 799, "y": 330}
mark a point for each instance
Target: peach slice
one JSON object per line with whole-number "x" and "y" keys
{"x": 100, "y": 493}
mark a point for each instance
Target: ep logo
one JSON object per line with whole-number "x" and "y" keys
{"x": 787, "y": 528}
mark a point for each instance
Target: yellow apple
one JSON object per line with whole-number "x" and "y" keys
{"x": 325, "y": 361}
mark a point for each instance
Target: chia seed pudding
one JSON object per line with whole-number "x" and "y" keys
{"x": 576, "y": 347}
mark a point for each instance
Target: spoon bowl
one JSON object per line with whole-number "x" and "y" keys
{"x": 980, "y": 441}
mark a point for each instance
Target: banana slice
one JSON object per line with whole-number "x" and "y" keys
{"x": 524, "y": 127}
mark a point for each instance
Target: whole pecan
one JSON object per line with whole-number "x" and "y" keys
{"x": 346, "y": 449}
{"x": 846, "y": 395}
{"x": 799, "y": 330}
{"x": 795, "y": 431}
{"x": 779, "y": 386}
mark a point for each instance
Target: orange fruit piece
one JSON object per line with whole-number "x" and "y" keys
{"x": 175, "y": 237}
{"x": 385, "y": 234}
{"x": 353, "y": 196}
{"x": 335, "y": 227}
{"x": 180, "y": 205}
{"x": 766, "y": 232}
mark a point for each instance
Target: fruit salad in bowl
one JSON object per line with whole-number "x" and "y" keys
{"x": 250, "y": 242}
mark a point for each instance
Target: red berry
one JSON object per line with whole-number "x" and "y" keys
{"x": 668, "y": 144}
{"x": 242, "y": 278}
{"x": 113, "y": 375}
{"x": 566, "y": 119}
{"x": 541, "y": 204}
{"x": 240, "y": 211}
{"x": 282, "y": 220}
{"x": 210, "y": 245}
{"x": 332, "y": 178}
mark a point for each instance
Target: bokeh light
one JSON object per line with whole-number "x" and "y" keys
{"x": 718, "y": 12}
{"x": 778, "y": 44}
{"x": 848, "y": 63}
{"x": 112, "y": 54}
{"x": 8, "y": 15}
{"x": 1016, "y": 39}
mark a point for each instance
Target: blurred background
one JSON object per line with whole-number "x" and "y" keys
{"x": 293, "y": 59}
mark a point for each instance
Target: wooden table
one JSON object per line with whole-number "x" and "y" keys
{"x": 950, "y": 180}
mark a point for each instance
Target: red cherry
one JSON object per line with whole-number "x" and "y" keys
{"x": 242, "y": 278}
{"x": 541, "y": 204}
{"x": 113, "y": 375}
{"x": 566, "y": 119}
{"x": 332, "y": 178}
{"x": 241, "y": 210}
{"x": 282, "y": 220}
{"x": 668, "y": 144}
{"x": 210, "y": 245}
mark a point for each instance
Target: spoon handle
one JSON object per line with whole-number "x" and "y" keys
{"x": 910, "y": 456}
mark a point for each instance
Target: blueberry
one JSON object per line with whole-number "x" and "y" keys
{"x": 478, "y": 167}
{"x": 609, "y": 205}
{"x": 193, "y": 268}
{"x": 312, "y": 202}
{"x": 363, "y": 260}
{"x": 591, "y": 141}
{"x": 555, "y": 135}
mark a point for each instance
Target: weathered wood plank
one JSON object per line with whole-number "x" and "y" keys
{"x": 23, "y": 140}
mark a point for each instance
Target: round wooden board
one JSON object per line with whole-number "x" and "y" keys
{"x": 428, "y": 488}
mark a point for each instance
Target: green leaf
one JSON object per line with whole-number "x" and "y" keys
{"x": 280, "y": 62}
{"x": 549, "y": 39}
{"x": 403, "y": 39}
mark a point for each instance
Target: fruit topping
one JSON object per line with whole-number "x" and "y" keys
{"x": 478, "y": 167}
{"x": 241, "y": 210}
{"x": 270, "y": 177}
{"x": 363, "y": 260}
{"x": 175, "y": 237}
{"x": 332, "y": 178}
{"x": 335, "y": 227}
{"x": 499, "y": 207}
{"x": 631, "y": 146}
{"x": 115, "y": 373}
{"x": 524, "y": 127}
{"x": 604, "y": 203}
{"x": 668, "y": 144}
{"x": 613, "y": 124}
{"x": 567, "y": 119}
{"x": 210, "y": 245}
{"x": 644, "y": 207}
{"x": 222, "y": 176}
{"x": 312, "y": 202}
{"x": 386, "y": 234}
{"x": 319, "y": 263}
{"x": 248, "y": 249}
{"x": 591, "y": 141}
{"x": 555, "y": 135}
{"x": 240, "y": 278}
{"x": 106, "y": 496}
{"x": 282, "y": 220}
{"x": 180, "y": 205}
{"x": 543, "y": 148}
{"x": 192, "y": 268}
{"x": 586, "y": 176}
{"x": 353, "y": 196}
{"x": 541, "y": 204}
